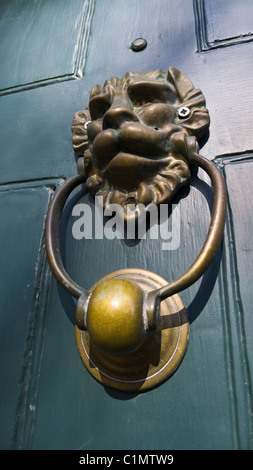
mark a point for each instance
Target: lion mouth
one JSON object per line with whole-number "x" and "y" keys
{"x": 135, "y": 142}
{"x": 128, "y": 170}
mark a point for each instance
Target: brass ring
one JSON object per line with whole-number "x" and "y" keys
{"x": 197, "y": 269}
{"x": 156, "y": 292}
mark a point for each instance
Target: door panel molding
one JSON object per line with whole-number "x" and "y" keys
{"x": 236, "y": 294}
{"x": 48, "y": 71}
{"x": 23, "y": 209}
{"x": 207, "y": 33}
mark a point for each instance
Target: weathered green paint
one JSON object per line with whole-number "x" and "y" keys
{"x": 48, "y": 399}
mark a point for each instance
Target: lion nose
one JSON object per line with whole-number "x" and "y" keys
{"x": 119, "y": 112}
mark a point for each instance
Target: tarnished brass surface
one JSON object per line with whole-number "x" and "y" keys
{"x": 159, "y": 355}
{"x": 136, "y": 140}
{"x": 132, "y": 136}
{"x": 115, "y": 317}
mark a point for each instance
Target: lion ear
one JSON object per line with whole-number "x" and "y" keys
{"x": 181, "y": 82}
{"x": 198, "y": 120}
{"x": 79, "y": 133}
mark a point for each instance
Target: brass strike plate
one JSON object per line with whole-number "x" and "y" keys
{"x": 159, "y": 356}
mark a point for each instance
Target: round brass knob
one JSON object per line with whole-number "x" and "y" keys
{"x": 115, "y": 320}
{"x": 160, "y": 349}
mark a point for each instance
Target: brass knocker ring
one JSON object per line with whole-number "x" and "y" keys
{"x": 131, "y": 326}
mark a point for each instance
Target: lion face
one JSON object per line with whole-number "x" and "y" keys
{"x": 132, "y": 136}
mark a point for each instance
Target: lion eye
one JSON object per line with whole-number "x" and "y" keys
{"x": 145, "y": 93}
{"x": 98, "y": 105}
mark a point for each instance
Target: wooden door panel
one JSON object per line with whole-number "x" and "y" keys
{"x": 24, "y": 292}
{"x": 221, "y": 27}
{"x": 224, "y": 69}
{"x": 240, "y": 205}
{"x": 160, "y": 23}
{"x": 55, "y": 403}
{"x": 36, "y": 143}
{"x": 236, "y": 272}
{"x": 61, "y": 53}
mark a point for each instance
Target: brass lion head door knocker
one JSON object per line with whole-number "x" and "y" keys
{"x": 133, "y": 136}
{"x": 135, "y": 140}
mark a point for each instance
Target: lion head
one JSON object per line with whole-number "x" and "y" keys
{"x": 132, "y": 136}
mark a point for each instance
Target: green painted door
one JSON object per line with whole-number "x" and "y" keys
{"x": 52, "y": 53}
